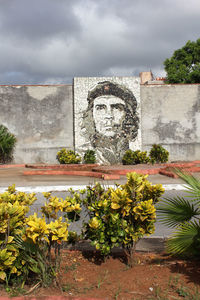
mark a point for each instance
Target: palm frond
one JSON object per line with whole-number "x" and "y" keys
{"x": 27, "y": 246}
{"x": 177, "y": 210}
{"x": 185, "y": 240}
{"x": 192, "y": 183}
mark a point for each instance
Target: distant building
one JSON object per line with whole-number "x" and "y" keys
{"x": 145, "y": 77}
{"x": 148, "y": 78}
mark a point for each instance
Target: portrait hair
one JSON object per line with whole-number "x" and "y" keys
{"x": 130, "y": 123}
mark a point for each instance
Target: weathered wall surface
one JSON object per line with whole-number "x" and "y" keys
{"x": 107, "y": 116}
{"x": 41, "y": 117}
{"x": 171, "y": 117}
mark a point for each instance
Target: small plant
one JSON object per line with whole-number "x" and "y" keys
{"x": 68, "y": 157}
{"x": 135, "y": 157}
{"x": 158, "y": 154}
{"x": 178, "y": 287}
{"x": 68, "y": 287}
{"x": 117, "y": 293}
{"x": 102, "y": 279}
{"x": 72, "y": 267}
{"x": 7, "y": 144}
{"x": 121, "y": 216}
{"x": 89, "y": 157}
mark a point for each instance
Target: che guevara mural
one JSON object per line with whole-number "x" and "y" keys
{"x": 107, "y": 116}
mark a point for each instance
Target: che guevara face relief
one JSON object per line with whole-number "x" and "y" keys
{"x": 108, "y": 115}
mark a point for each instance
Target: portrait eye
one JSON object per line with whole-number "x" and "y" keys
{"x": 100, "y": 107}
{"x": 119, "y": 107}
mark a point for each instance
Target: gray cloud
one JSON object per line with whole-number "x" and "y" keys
{"x": 48, "y": 41}
{"x": 38, "y": 20}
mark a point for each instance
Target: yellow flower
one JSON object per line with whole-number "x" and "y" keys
{"x": 105, "y": 203}
{"x": 59, "y": 231}
{"x": 115, "y": 205}
{"x": 119, "y": 198}
{"x": 13, "y": 270}
{"x": 94, "y": 223}
{"x": 77, "y": 207}
{"x": 2, "y": 275}
{"x": 37, "y": 228}
{"x": 145, "y": 210}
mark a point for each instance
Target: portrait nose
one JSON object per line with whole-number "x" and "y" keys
{"x": 108, "y": 116}
{"x": 108, "y": 113}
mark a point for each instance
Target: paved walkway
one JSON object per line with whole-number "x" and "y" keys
{"x": 55, "y": 178}
{"x": 17, "y": 174}
{"x": 54, "y": 182}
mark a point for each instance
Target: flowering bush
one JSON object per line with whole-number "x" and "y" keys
{"x": 13, "y": 209}
{"x": 68, "y": 157}
{"x": 121, "y": 216}
{"x": 26, "y": 242}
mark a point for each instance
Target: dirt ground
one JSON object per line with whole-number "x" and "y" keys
{"x": 154, "y": 276}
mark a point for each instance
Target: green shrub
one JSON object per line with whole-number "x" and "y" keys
{"x": 158, "y": 154}
{"x": 7, "y": 144}
{"x": 68, "y": 157}
{"x": 135, "y": 157}
{"x": 26, "y": 242}
{"x": 121, "y": 216}
{"x": 89, "y": 157}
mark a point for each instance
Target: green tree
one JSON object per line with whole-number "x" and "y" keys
{"x": 184, "y": 65}
{"x": 7, "y": 144}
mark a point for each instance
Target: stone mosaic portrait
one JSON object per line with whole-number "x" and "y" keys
{"x": 108, "y": 122}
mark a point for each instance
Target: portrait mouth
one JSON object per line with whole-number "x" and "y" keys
{"x": 108, "y": 128}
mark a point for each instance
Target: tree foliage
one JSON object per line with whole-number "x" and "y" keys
{"x": 184, "y": 65}
{"x": 7, "y": 144}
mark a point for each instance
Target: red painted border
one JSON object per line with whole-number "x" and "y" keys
{"x": 104, "y": 172}
{"x": 12, "y": 166}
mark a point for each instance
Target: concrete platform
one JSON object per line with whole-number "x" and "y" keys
{"x": 23, "y": 176}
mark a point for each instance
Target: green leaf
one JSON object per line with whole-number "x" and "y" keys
{"x": 2, "y": 275}
{"x": 35, "y": 269}
{"x": 172, "y": 212}
{"x": 192, "y": 184}
{"x": 186, "y": 239}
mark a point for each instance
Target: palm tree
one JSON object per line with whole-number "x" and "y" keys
{"x": 184, "y": 216}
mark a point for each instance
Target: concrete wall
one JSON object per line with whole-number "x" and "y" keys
{"x": 41, "y": 117}
{"x": 171, "y": 117}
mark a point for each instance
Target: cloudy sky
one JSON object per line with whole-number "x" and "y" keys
{"x": 52, "y": 41}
